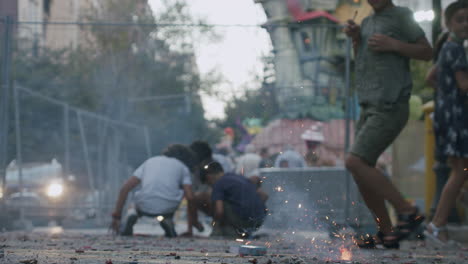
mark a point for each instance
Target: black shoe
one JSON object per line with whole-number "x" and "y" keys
{"x": 409, "y": 223}
{"x": 169, "y": 228}
{"x": 389, "y": 241}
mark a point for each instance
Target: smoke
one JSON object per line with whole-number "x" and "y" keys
{"x": 308, "y": 208}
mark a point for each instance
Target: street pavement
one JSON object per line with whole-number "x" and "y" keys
{"x": 58, "y": 245}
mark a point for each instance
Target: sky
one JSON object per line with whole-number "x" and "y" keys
{"x": 237, "y": 56}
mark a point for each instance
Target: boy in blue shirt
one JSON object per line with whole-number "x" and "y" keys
{"x": 236, "y": 206}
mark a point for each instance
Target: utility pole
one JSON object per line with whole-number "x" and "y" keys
{"x": 437, "y": 22}
{"x": 5, "y": 97}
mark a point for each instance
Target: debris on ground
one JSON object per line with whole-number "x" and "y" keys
{"x": 29, "y": 261}
{"x": 99, "y": 248}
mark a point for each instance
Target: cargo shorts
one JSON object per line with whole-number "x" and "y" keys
{"x": 377, "y": 128}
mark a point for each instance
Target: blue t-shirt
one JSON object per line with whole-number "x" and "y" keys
{"x": 241, "y": 194}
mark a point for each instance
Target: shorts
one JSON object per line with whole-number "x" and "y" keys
{"x": 377, "y": 128}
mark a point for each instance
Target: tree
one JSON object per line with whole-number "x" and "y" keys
{"x": 112, "y": 66}
{"x": 258, "y": 103}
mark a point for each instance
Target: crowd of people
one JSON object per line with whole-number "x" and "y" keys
{"x": 230, "y": 190}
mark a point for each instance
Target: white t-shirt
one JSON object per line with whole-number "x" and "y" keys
{"x": 161, "y": 189}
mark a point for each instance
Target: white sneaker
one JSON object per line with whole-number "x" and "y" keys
{"x": 433, "y": 236}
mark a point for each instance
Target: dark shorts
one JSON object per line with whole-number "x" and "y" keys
{"x": 377, "y": 128}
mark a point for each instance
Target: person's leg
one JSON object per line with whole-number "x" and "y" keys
{"x": 168, "y": 225}
{"x": 225, "y": 227}
{"x": 370, "y": 178}
{"x": 450, "y": 193}
{"x": 165, "y": 220}
{"x": 376, "y": 130}
{"x": 375, "y": 188}
{"x": 128, "y": 224}
{"x": 442, "y": 171}
{"x": 231, "y": 226}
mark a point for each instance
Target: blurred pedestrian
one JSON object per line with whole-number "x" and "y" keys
{"x": 313, "y": 138}
{"x": 248, "y": 163}
{"x": 162, "y": 182}
{"x": 222, "y": 156}
{"x": 383, "y": 45}
{"x": 204, "y": 152}
{"x": 266, "y": 161}
{"x": 451, "y": 115}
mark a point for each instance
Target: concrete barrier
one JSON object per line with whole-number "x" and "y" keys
{"x": 324, "y": 198}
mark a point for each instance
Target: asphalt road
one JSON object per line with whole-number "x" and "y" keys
{"x": 56, "y": 245}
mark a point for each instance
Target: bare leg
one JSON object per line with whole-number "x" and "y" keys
{"x": 376, "y": 204}
{"x": 451, "y": 190}
{"x": 375, "y": 189}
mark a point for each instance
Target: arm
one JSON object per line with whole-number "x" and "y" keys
{"x": 353, "y": 31}
{"x": 126, "y": 188}
{"x": 431, "y": 77}
{"x": 219, "y": 210}
{"x": 188, "y": 193}
{"x": 420, "y": 50}
{"x": 462, "y": 80}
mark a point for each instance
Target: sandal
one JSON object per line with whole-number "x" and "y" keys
{"x": 433, "y": 236}
{"x": 389, "y": 241}
{"x": 409, "y": 223}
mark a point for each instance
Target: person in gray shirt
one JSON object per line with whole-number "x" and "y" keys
{"x": 383, "y": 45}
{"x": 160, "y": 184}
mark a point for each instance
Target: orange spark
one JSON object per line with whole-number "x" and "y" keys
{"x": 346, "y": 254}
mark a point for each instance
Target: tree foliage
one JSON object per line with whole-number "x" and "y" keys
{"x": 259, "y": 103}
{"x": 113, "y": 68}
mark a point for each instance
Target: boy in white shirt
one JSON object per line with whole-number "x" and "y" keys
{"x": 163, "y": 182}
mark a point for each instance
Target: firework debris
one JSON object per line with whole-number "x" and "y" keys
{"x": 278, "y": 249}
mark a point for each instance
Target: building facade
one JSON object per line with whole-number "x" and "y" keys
{"x": 37, "y": 19}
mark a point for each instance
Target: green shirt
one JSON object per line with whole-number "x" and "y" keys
{"x": 384, "y": 77}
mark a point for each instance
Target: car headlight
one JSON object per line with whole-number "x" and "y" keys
{"x": 54, "y": 190}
